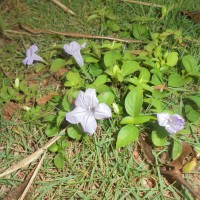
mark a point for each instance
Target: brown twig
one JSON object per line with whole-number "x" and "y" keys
{"x": 77, "y": 35}
{"x": 62, "y": 6}
{"x": 144, "y": 3}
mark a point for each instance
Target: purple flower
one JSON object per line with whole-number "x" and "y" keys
{"x": 31, "y": 56}
{"x": 73, "y": 49}
{"x": 172, "y": 123}
{"x": 87, "y": 110}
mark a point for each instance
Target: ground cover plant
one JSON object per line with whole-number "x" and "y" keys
{"x": 110, "y": 111}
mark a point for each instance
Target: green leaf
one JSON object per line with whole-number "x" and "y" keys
{"x": 144, "y": 75}
{"x": 113, "y": 26}
{"x": 172, "y": 59}
{"x": 112, "y": 46}
{"x": 136, "y": 120}
{"x": 100, "y": 80}
{"x": 53, "y": 148}
{"x": 95, "y": 71}
{"x": 129, "y": 67}
{"x": 177, "y": 149}
{"x": 190, "y": 63}
{"x": 133, "y": 102}
{"x": 66, "y": 104}
{"x": 51, "y": 131}
{"x": 57, "y": 64}
{"x": 74, "y": 79}
{"x": 106, "y": 97}
{"x": 159, "y": 136}
{"x": 60, "y": 117}
{"x": 192, "y": 114}
{"x": 59, "y": 160}
{"x": 111, "y": 57}
{"x": 74, "y": 132}
{"x": 90, "y": 59}
{"x": 139, "y": 31}
{"x": 127, "y": 135}
{"x": 196, "y": 99}
{"x": 176, "y": 80}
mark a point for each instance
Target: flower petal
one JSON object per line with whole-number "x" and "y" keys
{"x": 72, "y": 47}
{"x": 102, "y": 111}
{"x": 163, "y": 118}
{"x": 33, "y": 48}
{"x": 175, "y": 124}
{"x": 83, "y": 45}
{"x": 77, "y": 115}
{"x": 78, "y": 58}
{"x": 90, "y": 98}
{"x": 89, "y": 123}
{"x": 36, "y": 57}
{"x": 80, "y": 100}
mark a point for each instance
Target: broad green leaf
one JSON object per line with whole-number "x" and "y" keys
{"x": 159, "y": 136}
{"x": 59, "y": 160}
{"x": 74, "y": 132}
{"x": 106, "y": 97}
{"x": 51, "y": 131}
{"x": 172, "y": 59}
{"x": 102, "y": 88}
{"x": 133, "y": 102}
{"x": 95, "y": 70}
{"x": 112, "y": 25}
{"x": 66, "y": 104}
{"x": 100, "y": 80}
{"x": 90, "y": 59}
{"x": 136, "y": 120}
{"x": 144, "y": 75}
{"x": 127, "y": 135}
{"x": 177, "y": 149}
{"x": 139, "y": 31}
{"x": 129, "y": 67}
{"x": 74, "y": 79}
{"x": 196, "y": 99}
{"x": 60, "y": 117}
{"x": 57, "y": 64}
{"x": 111, "y": 57}
{"x": 53, "y": 148}
{"x": 190, "y": 63}
{"x": 112, "y": 46}
{"x": 192, "y": 114}
{"x": 176, "y": 80}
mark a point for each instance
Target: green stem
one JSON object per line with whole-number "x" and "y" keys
{"x": 85, "y": 72}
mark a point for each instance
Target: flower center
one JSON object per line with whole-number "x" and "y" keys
{"x": 91, "y": 109}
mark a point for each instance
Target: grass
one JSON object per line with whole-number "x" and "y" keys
{"x": 94, "y": 168}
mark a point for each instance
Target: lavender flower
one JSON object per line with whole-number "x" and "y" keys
{"x": 73, "y": 49}
{"x": 87, "y": 110}
{"x": 172, "y": 123}
{"x": 31, "y": 56}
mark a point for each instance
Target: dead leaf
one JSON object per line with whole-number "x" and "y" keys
{"x": 175, "y": 174}
{"x": 9, "y": 109}
{"x": 147, "y": 150}
{"x": 160, "y": 87}
{"x": 186, "y": 151}
{"x": 29, "y": 159}
{"x": 60, "y": 73}
{"x": 21, "y": 191}
{"x": 46, "y": 98}
{"x": 194, "y": 15}
{"x": 15, "y": 193}
{"x": 32, "y": 177}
